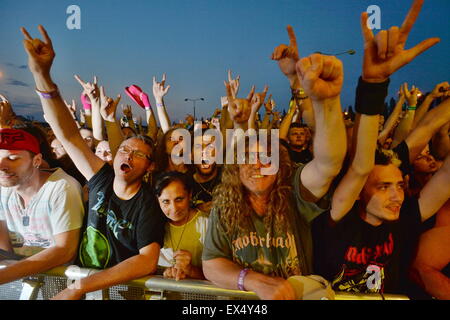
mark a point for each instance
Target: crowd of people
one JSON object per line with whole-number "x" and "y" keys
{"x": 359, "y": 199}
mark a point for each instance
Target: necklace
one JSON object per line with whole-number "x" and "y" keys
{"x": 24, "y": 210}
{"x": 204, "y": 189}
{"x": 179, "y": 240}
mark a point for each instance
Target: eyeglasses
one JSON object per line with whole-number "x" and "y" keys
{"x": 135, "y": 153}
{"x": 251, "y": 158}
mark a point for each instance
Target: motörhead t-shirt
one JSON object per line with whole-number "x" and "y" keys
{"x": 358, "y": 257}
{"x": 262, "y": 247}
{"x": 117, "y": 229}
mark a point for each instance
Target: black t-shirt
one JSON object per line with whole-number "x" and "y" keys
{"x": 353, "y": 254}
{"x": 202, "y": 192}
{"x": 117, "y": 229}
{"x": 303, "y": 156}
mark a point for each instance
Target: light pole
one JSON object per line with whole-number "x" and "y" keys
{"x": 193, "y": 101}
{"x": 350, "y": 52}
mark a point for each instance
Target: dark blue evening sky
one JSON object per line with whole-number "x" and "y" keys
{"x": 196, "y": 41}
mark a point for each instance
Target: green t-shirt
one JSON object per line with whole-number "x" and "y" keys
{"x": 263, "y": 250}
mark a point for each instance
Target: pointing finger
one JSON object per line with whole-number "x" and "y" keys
{"x": 80, "y": 81}
{"x": 26, "y": 34}
{"x": 367, "y": 33}
{"x": 44, "y": 33}
{"x": 4, "y": 99}
{"x": 420, "y": 48}
{"x": 410, "y": 20}
{"x": 292, "y": 39}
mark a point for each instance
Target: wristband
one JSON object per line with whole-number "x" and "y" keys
{"x": 241, "y": 277}
{"x": 48, "y": 94}
{"x": 160, "y": 104}
{"x": 411, "y": 108}
{"x": 370, "y": 97}
{"x": 299, "y": 94}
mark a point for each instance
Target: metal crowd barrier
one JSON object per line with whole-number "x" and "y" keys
{"x": 155, "y": 287}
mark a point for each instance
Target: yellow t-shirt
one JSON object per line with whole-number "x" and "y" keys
{"x": 191, "y": 239}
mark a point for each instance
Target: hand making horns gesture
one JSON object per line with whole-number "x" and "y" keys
{"x": 385, "y": 53}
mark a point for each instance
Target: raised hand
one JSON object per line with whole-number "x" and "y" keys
{"x": 270, "y": 104}
{"x": 440, "y": 90}
{"x": 40, "y": 54}
{"x": 239, "y": 109}
{"x": 410, "y": 95}
{"x": 321, "y": 76}
{"x": 72, "y": 107}
{"x": 159, "y": 89}
{"x": 287, "y": 56}
{"x": 127, "y": 112}
{"x": 385, "y": 53}
{"x": 234, "y": 84}
{"x": 258, "y": 99}
{"x": 108, "y": 106}
{"x": 90, "y": 89}
{"x": 7, "y": 115}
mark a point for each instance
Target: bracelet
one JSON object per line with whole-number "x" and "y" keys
{"x": 160, "y": 104}
{"x": 411, "y": 108}
{"x": 299, "y": 94}
{"x": 240, "y": 282}
{"x": 49, "y": 94}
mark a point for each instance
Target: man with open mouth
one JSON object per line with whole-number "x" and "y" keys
{"x": 124, "y": 228}
{"x": 207, "y": 173}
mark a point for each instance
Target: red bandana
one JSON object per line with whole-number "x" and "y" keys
{"x": 14, "y": 139}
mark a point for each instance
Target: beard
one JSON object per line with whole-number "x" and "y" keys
{"x": 205, "y": 173}
{"x": 15, "y": 179}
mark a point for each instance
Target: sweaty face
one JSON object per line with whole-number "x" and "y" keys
{"x": 251, "y": 176}
{"x": 297, "y": 137}
{"x": 16, "y": 167}
{"x": 103, "y": 151}
{"x": 425, "y": 163}
{"x": 205, "y": 150}
{"x": 174, "y": 202}
{"x": 131, "y": 162}
{"x": 58, "y": 149}
{"x": 383, "y": 194}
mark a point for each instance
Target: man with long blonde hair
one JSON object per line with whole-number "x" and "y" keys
{"x": 259, "y": 232}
